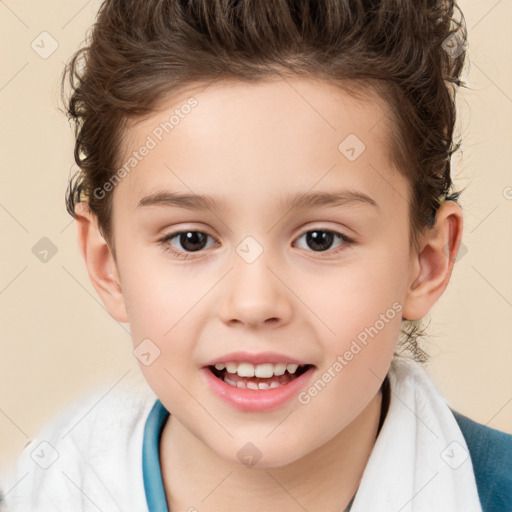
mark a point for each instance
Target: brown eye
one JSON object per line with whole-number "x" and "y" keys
{"x": 190, "y": 241}
{"x": 320, "y": 240}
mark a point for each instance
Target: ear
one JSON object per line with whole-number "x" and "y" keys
{"x": 432, "y": 266}
{"x": 100, "y": 263}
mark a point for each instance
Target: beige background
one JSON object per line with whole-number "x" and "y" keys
{"x": 58, "y": 341}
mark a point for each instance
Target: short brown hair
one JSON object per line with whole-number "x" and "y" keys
{"x": 139, "y": 51}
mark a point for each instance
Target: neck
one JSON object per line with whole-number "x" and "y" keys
{"x": 325, "y": 479}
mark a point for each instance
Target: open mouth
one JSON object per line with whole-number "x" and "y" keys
{"x": 259, "y": 383}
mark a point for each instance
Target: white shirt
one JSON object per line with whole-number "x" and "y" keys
{"x": 88, "y": 457}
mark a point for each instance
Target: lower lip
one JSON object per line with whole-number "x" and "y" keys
{"x": 256, "y": 400}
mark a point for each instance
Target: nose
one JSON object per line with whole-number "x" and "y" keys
{"x": 255, "y": 294}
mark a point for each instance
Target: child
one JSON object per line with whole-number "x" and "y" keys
{"x": 305, "y": 148}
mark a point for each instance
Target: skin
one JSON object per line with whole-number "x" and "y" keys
{"x": 252, "y": 145}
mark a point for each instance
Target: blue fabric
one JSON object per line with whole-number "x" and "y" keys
{"x": 491, "y": 455}
{"x": 490, "y": 451}
{"x": 153, "y": 484}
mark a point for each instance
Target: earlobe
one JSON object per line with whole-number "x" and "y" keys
{"x": 100, "y": 263}
{"x": 433, "y": 265}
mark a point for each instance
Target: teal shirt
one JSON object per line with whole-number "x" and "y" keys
{"x": 153, "y": 483}
{"x": 491, "y": 455}
{"x": 490, "y": 451}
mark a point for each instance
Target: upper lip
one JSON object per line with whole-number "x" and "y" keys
{"x": 259, "y": 358}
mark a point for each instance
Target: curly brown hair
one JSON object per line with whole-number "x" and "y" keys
{"x": 140, "y": 51}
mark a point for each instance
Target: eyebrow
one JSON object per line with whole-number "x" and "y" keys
{"x": 190, "y": 201}
{"x": 292, "y": 202}
{"x": 337, "y": 198}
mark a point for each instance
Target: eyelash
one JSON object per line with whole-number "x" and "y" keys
{"x": 183, "y": 255}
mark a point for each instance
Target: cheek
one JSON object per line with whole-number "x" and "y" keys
{"x": 361, "y": 314}
{"x": 158, "y": 296}
{"x": 354, "y": 297}
{"x": 162, "y": 305}
{"x": 162, "y": 322}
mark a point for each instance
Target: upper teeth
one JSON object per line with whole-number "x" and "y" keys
{"x": 264, "y": 371}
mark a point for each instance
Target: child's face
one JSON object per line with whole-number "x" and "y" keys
{"x": 261, "y": 281}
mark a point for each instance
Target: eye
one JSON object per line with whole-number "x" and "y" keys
{"x": 321, "y": 239}
{"x": 191, "y": 240}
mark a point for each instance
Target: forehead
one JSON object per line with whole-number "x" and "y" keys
{"x": 240, "y": 140}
